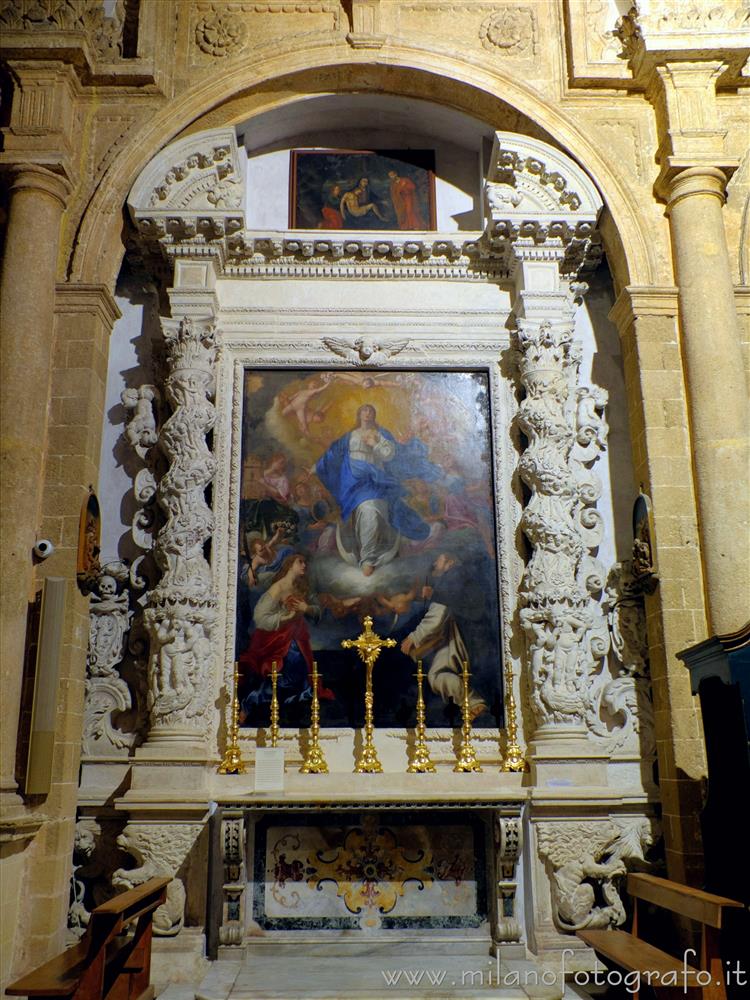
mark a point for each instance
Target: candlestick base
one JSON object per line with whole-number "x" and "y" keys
{"x": 514, "y": 759}
{"x": 232, "y": 762}
{"x": 368, "y": 762}
{"x": 315, "y": 762}
{"x": 421, "y": 763}
{"x": 467, "y": 759}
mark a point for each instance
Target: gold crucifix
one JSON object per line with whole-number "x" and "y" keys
{"x": 368, "y": 645}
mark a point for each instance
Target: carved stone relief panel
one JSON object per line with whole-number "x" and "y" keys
{"x": 224, "y": 30}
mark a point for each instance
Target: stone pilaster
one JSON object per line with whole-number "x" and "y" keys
{"x": 647, "y": 320}
{"x": 27, "y": 294}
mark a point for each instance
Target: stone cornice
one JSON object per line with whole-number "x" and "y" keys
{"x": 87, "y": 299}
{"x": 190, "y": 201}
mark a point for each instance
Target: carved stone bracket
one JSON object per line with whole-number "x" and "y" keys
{"x": 234, "y": 877}
{"x": 508, "y": 833}
{"x": 587, "y": 862}
{"x": 182, "y": 607}
{"x": 159, "y": 849}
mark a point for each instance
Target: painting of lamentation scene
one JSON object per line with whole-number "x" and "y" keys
{"x": 344, "y": 189}
{"x": 367, "y": 493}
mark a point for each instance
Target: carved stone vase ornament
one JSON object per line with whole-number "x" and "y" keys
{"x": 182, "y": 607}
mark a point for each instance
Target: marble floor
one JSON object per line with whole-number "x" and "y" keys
{"x": 377, "y": 972}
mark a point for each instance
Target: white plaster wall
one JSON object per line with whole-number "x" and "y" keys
{"x": 366, "y": 121}
{"x": 602, "y": 365}
{"x": 130, "y": 365}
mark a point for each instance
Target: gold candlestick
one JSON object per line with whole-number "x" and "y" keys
{"x": 368, "y": 646}
{"x": 232, "y": 762}
{"x": 274, "y": 705}
{"x": 514, "y": 758}
{"x": 314, "y": 762}
{"x": 467, "y": 755}
{"x": 420, "y": 761}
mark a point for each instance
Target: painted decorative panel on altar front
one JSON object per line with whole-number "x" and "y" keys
{"x": 376, "y": 872}
{"x": 367, "y": 493}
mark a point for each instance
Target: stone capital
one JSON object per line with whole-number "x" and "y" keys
{"x": 34, "y": 177}
{"x": 44, "y": 125}
{"x": 683, "y": 94}
{"x": 91, "y": 299}
{"x": 635, "y": 301}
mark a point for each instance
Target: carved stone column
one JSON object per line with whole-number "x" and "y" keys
{"x": 563, "y": 422}
{"x": 27, "y": 297}
{"x": 716, "y": 388}
{"x": 681, "y": 60}
{"x": 542, "y": 213}
{"x": 182, "y": 607}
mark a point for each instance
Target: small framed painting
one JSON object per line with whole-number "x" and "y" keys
{"x": 391, "y": 189}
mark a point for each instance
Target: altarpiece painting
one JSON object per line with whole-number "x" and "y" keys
{"x": 367, "y": 493}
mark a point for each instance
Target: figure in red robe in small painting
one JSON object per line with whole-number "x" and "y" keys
{"x": 404, "y": 198}
{"x": 331, "y": 209}
{"x": 281, "y": 636}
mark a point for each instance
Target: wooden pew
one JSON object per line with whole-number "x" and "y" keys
{"x": 101, "y": 966}
{"x": 657, "y": 968}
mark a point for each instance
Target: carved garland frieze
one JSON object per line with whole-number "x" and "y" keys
{"x": 182, "y": 607}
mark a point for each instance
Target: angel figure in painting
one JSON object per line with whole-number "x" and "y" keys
{"x": 365, "y": 471}
{"x": 281, "y": 635}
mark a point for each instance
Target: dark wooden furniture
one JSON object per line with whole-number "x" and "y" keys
{"x": 687, "y": 974}
{"x": 104, "y": 963}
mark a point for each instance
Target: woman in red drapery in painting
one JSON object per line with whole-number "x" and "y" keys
{"x": 404, "y": 198}
{"x": 281, "y": 636}
{"x": 331, "y": 209}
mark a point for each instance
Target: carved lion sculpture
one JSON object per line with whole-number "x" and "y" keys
{"x": 585, "y": 864}
{"x": 159, "y": 852}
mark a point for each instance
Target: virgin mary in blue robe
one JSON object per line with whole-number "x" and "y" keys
{"x": 352, "y": 481}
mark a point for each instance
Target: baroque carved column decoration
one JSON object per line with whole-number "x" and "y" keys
{"x": 182, "y": 607}
{"x": 567, "y": 633}
{"x": 541, "y": 214}
{"x": 108, "y": 694}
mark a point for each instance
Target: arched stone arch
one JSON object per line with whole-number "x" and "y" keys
{"x": 285, "y": 75}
